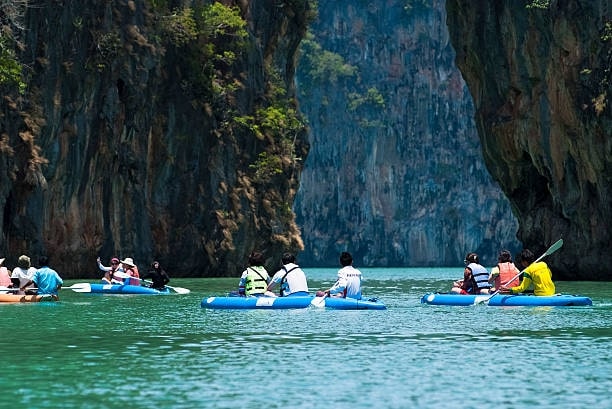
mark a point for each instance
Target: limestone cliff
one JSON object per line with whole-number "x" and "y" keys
{"x": 395, "y": 174}
{"x": 151, "y": 129}
{"x": 539, "y": 73}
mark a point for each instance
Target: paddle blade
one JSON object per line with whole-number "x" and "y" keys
{"x": 318, "y": 302}
{"x": 180, "y": 290}
{"x": 79, "y": 288}
{"x": 554, "y": 247}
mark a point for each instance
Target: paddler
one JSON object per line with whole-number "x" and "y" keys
{"x": 537, "y": 275}
{"x": 46, "y": 279}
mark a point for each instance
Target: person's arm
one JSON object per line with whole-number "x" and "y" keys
{"x": 242, "y": 283}
{"x": 23, "y": 287}
{"x": 339, "y": 285}
{"x": 274, "y": 282}
{"x": 523, "y": 285}
{"x": 271, "y": 285}
{"x": 102, "y": 267}
{"x": 494, "y": 274}
{"x": 268, "y": 278}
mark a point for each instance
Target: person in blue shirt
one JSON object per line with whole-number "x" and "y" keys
{"x": 46, "y": 279}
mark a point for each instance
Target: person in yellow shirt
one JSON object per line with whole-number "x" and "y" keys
{"x": 536, "y": 274}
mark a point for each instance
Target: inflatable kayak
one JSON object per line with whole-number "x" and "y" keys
{"x": 502, "y": 300}
{"x": 247, "y": 303}
{"x": 116, "y": 289}
{"x": 14, "y": 298}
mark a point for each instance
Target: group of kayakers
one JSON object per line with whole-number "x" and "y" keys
{"x": 291, "y": 279}
{"x": 505, "y": 277}
{"x": 26, "y": 279}
{"x": 125, "y": 272}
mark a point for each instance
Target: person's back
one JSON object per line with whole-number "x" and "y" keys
{"x": 508, "y": 275}
{"x": 46, "y": 279}
{"x": 479, "y": 272}
{"x": 254, "y": 280}
{"x": 5, "y": 277}
{"x": 504, "y": 274}
{"x": 291, "y": 278}
{"x": 536, "y": 274}
{"x": 23, "y": 273}
{"x": 353, "y": 282}
{"x": 348, "y": 284}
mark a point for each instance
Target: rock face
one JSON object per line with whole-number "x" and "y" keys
{"x": 152, "y": 130}
{"x": 541, "y": 82}
{"x": 395, "y": 174}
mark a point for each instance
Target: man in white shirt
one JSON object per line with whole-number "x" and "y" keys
{"x": 290, "y": 277}
{"x": 23, "y": 273}
{"x": 348, "y": 284}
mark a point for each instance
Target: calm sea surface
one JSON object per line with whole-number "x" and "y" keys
{"x": 91, "y": 351}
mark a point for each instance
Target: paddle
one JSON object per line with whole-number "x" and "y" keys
{"x": 78, "y": 287}
{"x": 14, "y": 289}
{"x": 548, "y": 252}
{"x": 319, "y": 302}
{"x": 179, "y": 290}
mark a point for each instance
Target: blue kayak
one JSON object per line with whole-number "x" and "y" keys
{"x": 510, "y": 300}
{"x": 117, "y": 289}
{"x": 247, "y": 303}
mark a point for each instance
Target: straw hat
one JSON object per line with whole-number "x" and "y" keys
{"x": 128, "y": 261}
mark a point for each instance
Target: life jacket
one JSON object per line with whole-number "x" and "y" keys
{"x": 132, "y": 271}
{"x": 255, "y": 282}
{"x": 481, "y": 275}
{"x": 110, "y": 276}
{"x": 506, "y": 272}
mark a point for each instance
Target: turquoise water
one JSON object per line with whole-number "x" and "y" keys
{"x": 91, "y": 351}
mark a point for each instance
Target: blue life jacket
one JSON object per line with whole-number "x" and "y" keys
{"x": 481, "y": 275}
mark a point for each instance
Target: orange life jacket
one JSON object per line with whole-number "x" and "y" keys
{"x": 506, "y": 272}
{"x": 132, "y": 271}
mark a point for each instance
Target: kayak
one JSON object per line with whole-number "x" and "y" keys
{"x": 502, "y": 300}
{"x": 281, "y": 303}
{"x": 118, "y": 289}
{"x": 6, "y": 298}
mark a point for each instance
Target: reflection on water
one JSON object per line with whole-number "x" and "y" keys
{"x": 166, "y": 351}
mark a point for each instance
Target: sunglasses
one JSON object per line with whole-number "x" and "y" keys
{"x": 114, "y": 263}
